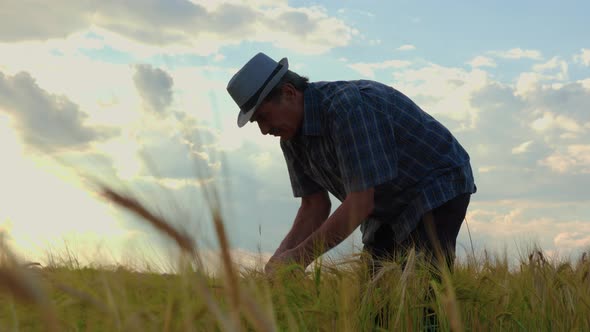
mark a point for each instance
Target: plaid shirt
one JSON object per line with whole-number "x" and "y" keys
{"x": 361, "y": 134}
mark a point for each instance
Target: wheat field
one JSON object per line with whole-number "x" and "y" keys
{"x": 483, "y": 293}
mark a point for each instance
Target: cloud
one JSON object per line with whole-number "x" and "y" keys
{"x": 528, "y": 83}
{"x": 583, "y": 57}
{"x": 542, "y": 134}
{"x": 181, "y": 24}
{"x": 344, "y": 11}
{"x": 486, "y": 169}
{"x": 406, "y": 47}
{"x": 574, "y": 159}
{"x": 102, "y": 88}
{"x": 180, "y": 155}
{"x": 442, "y": 90}
{"x": 522, "y": 148}
{"x": 520, "y": 223}
{"x": 33, "y": 20}
{"x": 554, "y": 63}
{"x": 567, "y": 100}
{"x": 154, "y": 86}
{"x": 572, "y": 240}
{"x": 496, "y": 106}
{"x": 550, "y": 121}
{"x": 518, "y": 53}
{"x": 368, "y": 69}
{"x": 482, "y": 61}
{"x": 46, "y": 122}
{"x": 508, "y": 128}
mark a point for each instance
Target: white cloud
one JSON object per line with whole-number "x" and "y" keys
{"x": 180, "y": 26}
{"x": 585, "y": 83}
{"x": 262, "y": 160}
{"x": 583, "y": 57}
{"x": 551, "y": 121}
{"x": 179, "y": 150}
{"x": 542, "y": 77}
{"x": 528, "y": 83}
{"x": 522, "y": 148}
{"x": 482, "y": 61}
{"x": 574, "y": 159}
{"x": 104, "y": 90}
{"x": 368, "y": 69}
{"x": 123, "y": 154}
{"x": 514, "y": 224}
{"x": 486, "y": 169}
{"x": 572, "y": 240}
{"x": 550, "y": 118}
{"x": 214, "y": 5}
{"x": 406, "y": 47}
{"x": 518, "y": 53}
{"x": 345, "y": 11}
{"x": 554, "y": 64}
{"x": 442, "y": 90}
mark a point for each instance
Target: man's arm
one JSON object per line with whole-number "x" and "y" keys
{"x": 314, "y": 210}
{"x": 356, "y": 207}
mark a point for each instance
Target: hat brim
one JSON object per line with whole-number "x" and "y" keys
{"x": 244, "y": 117}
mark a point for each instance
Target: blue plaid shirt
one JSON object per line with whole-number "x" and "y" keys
{"x": 361, "y": 134}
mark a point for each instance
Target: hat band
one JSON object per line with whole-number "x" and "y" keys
{"x": 248, "y": 105}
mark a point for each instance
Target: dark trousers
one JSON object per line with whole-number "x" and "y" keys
{"x": 435, "y": 236}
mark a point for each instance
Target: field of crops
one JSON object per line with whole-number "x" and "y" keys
{"x": 483, "y": 293}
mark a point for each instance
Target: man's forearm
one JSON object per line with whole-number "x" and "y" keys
{"x": 305, "y": 223}
{"x": 335, "y": 229}
{"x": 308, "y": 219}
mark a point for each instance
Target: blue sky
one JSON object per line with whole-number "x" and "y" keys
{"x": 134, "y": 93}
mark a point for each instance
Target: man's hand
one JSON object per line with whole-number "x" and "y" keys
{"x": 281, "y": 249}
{"x": 278, "y": 260}
{"x": 274, "y": 260}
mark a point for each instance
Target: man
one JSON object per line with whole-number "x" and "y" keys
{"x": 399, "y": 173}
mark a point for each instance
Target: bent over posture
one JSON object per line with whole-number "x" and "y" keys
{"x": 397, "y": 171}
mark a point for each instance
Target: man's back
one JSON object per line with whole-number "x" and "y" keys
{"x": 361, "y": 134}
{"x": 423, "y": 144}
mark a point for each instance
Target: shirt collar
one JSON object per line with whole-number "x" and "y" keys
{"x": 311, "y": 112}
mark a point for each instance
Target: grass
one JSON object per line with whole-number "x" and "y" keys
{"x": 483, "y": 293}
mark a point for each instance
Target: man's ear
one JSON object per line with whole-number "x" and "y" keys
{"x": 289, "y": 90}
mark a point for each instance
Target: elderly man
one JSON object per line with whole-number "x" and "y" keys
{"x": 399, "y": 173}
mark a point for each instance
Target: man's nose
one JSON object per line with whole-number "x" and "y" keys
{"x": 264, "y": 128}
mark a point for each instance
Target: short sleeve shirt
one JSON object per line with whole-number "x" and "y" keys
{"x": 363, "y": 134}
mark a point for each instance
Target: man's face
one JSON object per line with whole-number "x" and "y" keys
{"x": 277, "y": 117}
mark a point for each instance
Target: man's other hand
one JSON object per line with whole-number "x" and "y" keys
{"x": 278, "y": 260}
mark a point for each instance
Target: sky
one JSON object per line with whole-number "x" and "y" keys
{"x": 133, "y": 93}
